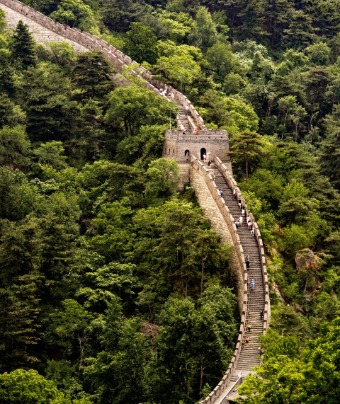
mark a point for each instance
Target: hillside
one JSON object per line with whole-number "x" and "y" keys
{"x": 101, "y": 258}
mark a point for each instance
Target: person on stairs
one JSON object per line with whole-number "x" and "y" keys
{"x": 246, "y": 340}
{"x": 252, "y": 284}
{"x": 247, "y": 261}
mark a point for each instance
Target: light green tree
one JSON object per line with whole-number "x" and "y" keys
{"x": 204, "y": 32}
{"x": 14, "y": 147}
{"x": 28, "y": 386}
{"x": 163, "y": 177}
{"x": 51, "y": 153}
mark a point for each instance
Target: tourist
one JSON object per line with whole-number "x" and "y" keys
{"x": 247, "y": 261}
{"x": 252, "y": 285}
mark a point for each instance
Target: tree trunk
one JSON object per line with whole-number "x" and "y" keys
{"x": 202, "y": 276}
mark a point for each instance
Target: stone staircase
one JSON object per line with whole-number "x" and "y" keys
{"x": 249, "y": 356}
{"x": 184, "y": 120}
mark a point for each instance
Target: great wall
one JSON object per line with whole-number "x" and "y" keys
{"x": 216, "y": 190}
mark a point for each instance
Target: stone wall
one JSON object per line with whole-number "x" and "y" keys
{"x": 206, "y": 191}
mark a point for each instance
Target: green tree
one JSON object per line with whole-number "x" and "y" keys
{"x": 222, "y": 60}
{"x": 62, "y": 53}
{"x": 18, "y": 197}
{"x": 193, "y": 347}
{"x": 292, "y": 111}
{"x": 231, "y": 113}
{"x": 2, "y": 20}
{"x": 163, "y": 177}
{"x": 116, "y": 374}
{"x": 132, "y": 107}
{"x": 75, "y": 13}
{"x": 141, "y": 43}
{"x": 23, "y": 47}
{"x": 91, "y": 73}
{"x": 143, "y": 148}
{"x": 21, "y": 280}
{"x": 310, "y": 377}
{"x": 247, "y": 148}
{"x": 51, "y": 153}
{"x": 118, "y": 17}
{"x": 68, "y": 328}
{"x": 111, "y": 233}
{"x": 10, "y": 113}
{"x": 319, "y": 54}
{"x": 46, "y": 99}
{"x": 179, "y": 64}
{"x": 27, "y": 386}
{"x": 14, "y": 147}
{"x": 330, "y": 146}
{"x": 204, "y": 32}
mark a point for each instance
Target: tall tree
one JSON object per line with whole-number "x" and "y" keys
{"x": 23, "y": 47}
{"x": 92, "y": 76}
{"x": 247, "y": 147}
{"x": 330, "y": 148}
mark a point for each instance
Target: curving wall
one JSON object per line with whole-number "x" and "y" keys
{"x": 120, "y": 61}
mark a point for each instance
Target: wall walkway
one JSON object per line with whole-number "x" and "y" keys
{"x": 223, "y": 211}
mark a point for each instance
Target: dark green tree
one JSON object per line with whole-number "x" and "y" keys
{"x": 330, "y": 148}
{"x": 117, "y": 14}
{"x": 141, "y": 43}
{"x": 46, "y": 99}
{"x": 92, "y": 76}
{"x": 23, "y": 47}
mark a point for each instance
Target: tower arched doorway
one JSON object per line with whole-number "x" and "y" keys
{"x": 187, "y": 155}
{"x": 203, "y": 153}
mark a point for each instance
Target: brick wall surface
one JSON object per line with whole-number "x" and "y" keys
{"x": 213, "y": 214}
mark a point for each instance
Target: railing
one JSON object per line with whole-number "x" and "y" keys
{"x": 117, "y": 58}
{"x": 229, "y": 220}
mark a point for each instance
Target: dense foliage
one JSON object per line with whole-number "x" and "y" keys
{"x": 114, "y": 287}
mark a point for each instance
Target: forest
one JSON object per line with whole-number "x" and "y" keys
{"x": 102, "y": 294}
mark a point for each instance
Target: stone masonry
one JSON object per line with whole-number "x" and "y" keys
{"x": 213, "y": 214}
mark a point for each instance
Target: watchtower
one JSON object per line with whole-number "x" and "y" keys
{"x": 179, "y": 145}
